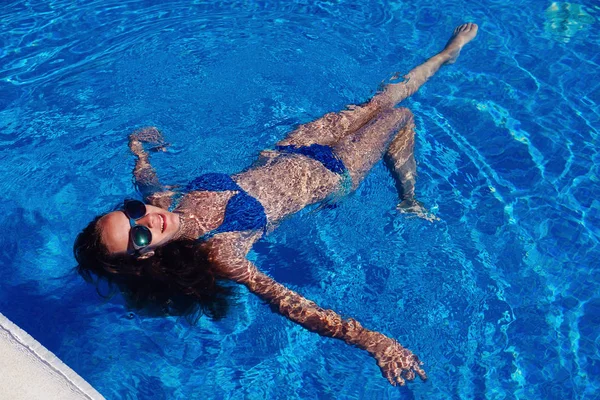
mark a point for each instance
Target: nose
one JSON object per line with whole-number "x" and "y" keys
{"x": 150, "y": 220}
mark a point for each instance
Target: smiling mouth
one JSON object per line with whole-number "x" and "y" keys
{"x": 162, "y": 223}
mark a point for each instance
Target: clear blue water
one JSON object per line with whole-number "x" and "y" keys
{"x": 500, "y": 298}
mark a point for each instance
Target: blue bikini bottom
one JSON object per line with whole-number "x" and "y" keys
{"x": 319, "y": 152}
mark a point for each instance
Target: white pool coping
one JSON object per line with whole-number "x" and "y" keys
{"x": 29, "y": 371}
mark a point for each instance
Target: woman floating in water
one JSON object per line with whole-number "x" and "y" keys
{"x": 173, "y": 251}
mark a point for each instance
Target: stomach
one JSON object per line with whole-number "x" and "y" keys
{"x": 286, "y": 183}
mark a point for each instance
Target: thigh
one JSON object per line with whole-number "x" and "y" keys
{"x": 332, "y": 127}
{"x": 401, "y": 149}
{"x": 362, "y": 149}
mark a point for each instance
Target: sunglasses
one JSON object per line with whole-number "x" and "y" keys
{"x": 139, "y": 235}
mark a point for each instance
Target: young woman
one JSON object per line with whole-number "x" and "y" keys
{"x": 174, "y": 250}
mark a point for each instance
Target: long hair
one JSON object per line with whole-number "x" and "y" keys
{"x": 177, "y": 280}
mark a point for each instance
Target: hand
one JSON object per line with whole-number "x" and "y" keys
{"x": 396, "y": 362}
{"x": 146, "y": 135}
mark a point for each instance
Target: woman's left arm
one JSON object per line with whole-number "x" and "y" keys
{"x": 396, "y": 362}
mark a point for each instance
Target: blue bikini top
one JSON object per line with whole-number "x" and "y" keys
{"x": 242, "y": 213}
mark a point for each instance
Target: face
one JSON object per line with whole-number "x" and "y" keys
{"x": 114, "y": 228}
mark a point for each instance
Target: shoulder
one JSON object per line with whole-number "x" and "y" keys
{"x": 162, "y": 199}
{"x": 227, "y": 251}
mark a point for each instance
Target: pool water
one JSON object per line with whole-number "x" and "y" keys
{"x": 500, "y": 298}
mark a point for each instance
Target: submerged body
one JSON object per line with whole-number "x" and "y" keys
{"x": 325, "y": 158}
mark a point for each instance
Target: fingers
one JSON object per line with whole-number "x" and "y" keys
{"x": 391, "y": 377}
{"x": 400, "y": 380}
{"x": 398, "y": 375}
{"x": 420, "y": 372}
{"x": 394, "y": 376}
{"x": 416, "y": 366}
{"x": 398, "y": 364}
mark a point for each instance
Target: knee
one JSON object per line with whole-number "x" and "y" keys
{"x": 393, "y": 113}
{"x": 399, "y": 117}
{"x": 406, "y": 120}
{"x": 405, "y": 114}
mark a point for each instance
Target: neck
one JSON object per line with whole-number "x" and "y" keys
{"x": 189, "y": 228}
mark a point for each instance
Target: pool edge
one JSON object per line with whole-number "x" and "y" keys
{"x": 35, "y": 372}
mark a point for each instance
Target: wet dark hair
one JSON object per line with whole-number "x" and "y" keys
{"x": 177, "y": 280}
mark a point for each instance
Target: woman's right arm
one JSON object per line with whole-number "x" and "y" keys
{"x": 146, "y": 180}
{"x": 396, "y": 362}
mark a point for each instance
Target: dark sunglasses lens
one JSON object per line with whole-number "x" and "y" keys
{"x": 135, "y": 209}
{"x": 141, "y": 236}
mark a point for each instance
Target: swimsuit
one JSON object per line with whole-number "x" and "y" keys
{"x": 319, "y": 152}
{"x": 243, "y": 212}
{"x": 330, "y": 160}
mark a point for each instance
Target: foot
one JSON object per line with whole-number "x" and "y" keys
{"x": 462, "y": 35}
{"x": 416, "y": 208}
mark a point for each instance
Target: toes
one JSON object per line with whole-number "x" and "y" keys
{"x": 464, "y": 28}
{"x": 410, "y": 375}
{"x": 469, "y": 26}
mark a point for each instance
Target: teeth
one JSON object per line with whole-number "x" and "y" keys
{"x": 162, "y": 224}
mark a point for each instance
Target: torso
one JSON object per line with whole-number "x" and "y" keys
{"x": 283, "y": 184}
{"x": 287, "y": 183}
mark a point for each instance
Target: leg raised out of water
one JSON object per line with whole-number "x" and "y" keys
{"x": 333, "y": 127}
{"x": 394, "y": 93}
